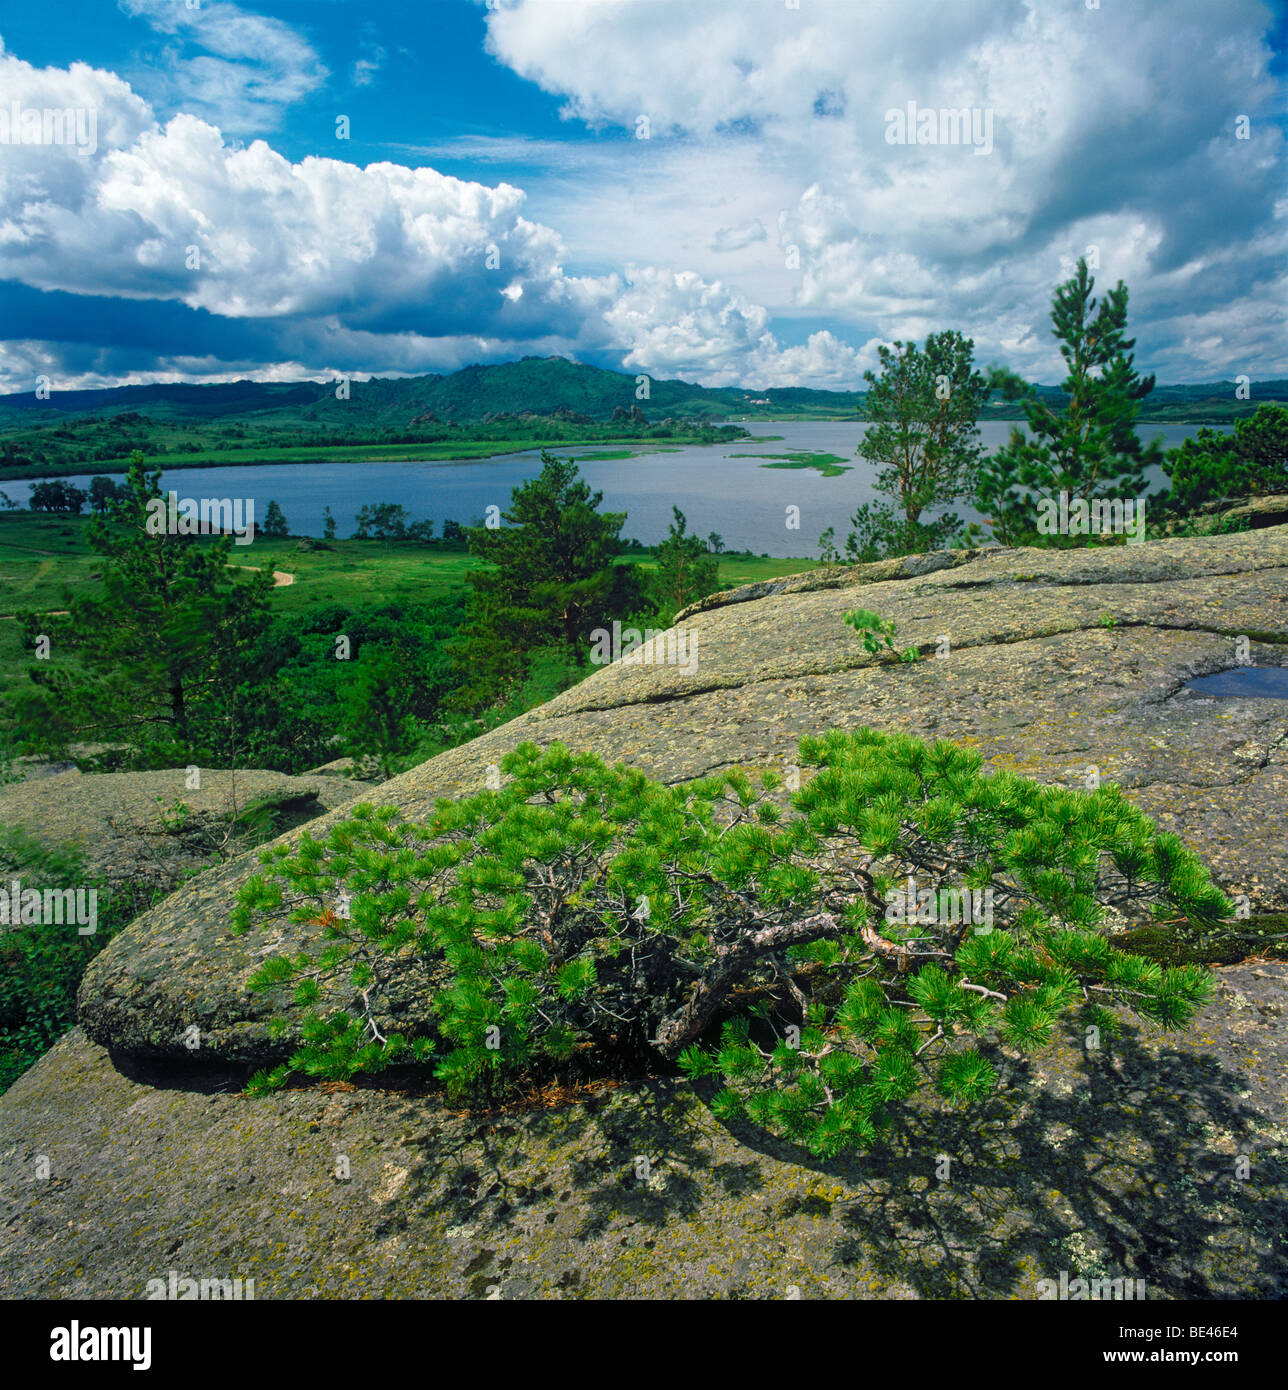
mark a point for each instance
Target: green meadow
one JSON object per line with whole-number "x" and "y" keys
{"x": 42, "y": 556}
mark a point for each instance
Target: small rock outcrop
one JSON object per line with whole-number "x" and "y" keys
{"x": 153, "y": 829}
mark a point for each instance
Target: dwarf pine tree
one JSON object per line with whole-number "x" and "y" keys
{"x": 585, "y": 911}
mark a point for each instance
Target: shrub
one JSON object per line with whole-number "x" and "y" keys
{"x": 41, "y": 965}
{"x": 878, "y": 633}
{"x": 1251, "y": 461}
{"x": 582, "y": 911}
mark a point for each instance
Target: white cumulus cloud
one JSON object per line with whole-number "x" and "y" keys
{"x": 1113, "y": 127}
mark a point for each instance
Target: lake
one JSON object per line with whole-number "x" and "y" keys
{"x": 741, "y": 499}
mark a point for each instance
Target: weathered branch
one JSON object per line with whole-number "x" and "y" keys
{"x": 979, "y": 989}
{"x": 895, "y": 950}
{"x": 684, "y": 1024}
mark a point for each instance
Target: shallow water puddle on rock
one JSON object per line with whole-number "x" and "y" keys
{"x": 1265, "y": 682}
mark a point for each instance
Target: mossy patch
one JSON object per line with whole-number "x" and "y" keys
{"x": 1188, "y": 943}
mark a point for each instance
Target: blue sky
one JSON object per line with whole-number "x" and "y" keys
{"x": 409, "y": 72}
{"x": 494, "y": 197}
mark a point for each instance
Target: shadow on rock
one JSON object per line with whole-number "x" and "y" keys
{"x": 1124, "y": 1168}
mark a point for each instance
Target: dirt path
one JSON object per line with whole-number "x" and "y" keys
{"x": 281, "y": 578}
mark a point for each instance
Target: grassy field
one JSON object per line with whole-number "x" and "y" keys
{"x": 42, "y": 555}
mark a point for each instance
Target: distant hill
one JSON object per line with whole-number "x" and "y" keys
{"x": 181, "y": 400}
{"x": 540, "y": 385}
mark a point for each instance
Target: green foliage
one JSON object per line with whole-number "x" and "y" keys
{"x": 382, "y": 520}
{"x": 387, "y": 701}
{"x": 377, "y": 713}
{"x": 880, "y": 532}
{"x": 57, "y": 496}
{"x": 41, "y": 965}
{"x": 878, "y": 633}
{"x": 1089, "y": 448}
{"x": 161, "y": 648}
{"x": 580, "y": 913}
{"x": 550, "y": 671}
{"x": 1250, "y": 462}
{"x": 175, "y": 817}
{"x": 1197, "y": 524}
{"x": 274, "y": 525}
{"x": 829, "y": 465}
{"x": 551, "y": 579}
{"x": 387, "y": 521}
{"x": 167, "y": 623}
{"x": 686, "y": 569}
{"x": 283, "y": 707}
{"x": 924, "y": 440}
{"x": 102, "y": 493}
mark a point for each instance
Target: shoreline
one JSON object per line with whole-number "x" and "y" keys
{"x": 168, "y": 463}
{"x": 637, "y": 447}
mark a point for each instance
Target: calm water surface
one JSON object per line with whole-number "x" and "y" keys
{"x": 1257, "y": 682}
{"x": 741, "y": 499}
